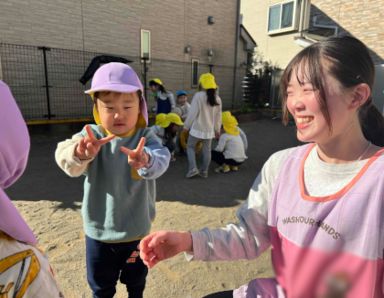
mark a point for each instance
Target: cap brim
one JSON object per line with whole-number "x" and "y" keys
{"x": 114, "y": 88}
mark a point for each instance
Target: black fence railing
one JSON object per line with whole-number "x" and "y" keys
{"x": 45, "y": 81}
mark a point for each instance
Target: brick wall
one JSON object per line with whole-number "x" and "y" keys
{"x": 113, "y": 27}
{"x": 362, "y": 19}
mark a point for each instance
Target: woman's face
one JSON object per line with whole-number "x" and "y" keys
{"x": 303, "y": 103}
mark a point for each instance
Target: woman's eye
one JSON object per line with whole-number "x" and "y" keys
{"x": 109, "y": 108}
{"x": 126, "y": 108}
{"x": 289, "y": 93}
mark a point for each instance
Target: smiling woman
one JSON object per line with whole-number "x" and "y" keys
{"x": 319, "y": 205}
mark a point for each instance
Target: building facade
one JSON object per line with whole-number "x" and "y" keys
{"x": 46, "y": 45}
{"x": 281, "y": 28}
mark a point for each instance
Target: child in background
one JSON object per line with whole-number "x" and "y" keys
{"x": 319, "y": 205}
{"x": 120, "y": 159}
{"x": 165, "y": 101}
{"x": 230, "y": 150}
{"x": 24, "y": 270}
{"x": 182, "y": 104}
{"x": 167, "y": 127}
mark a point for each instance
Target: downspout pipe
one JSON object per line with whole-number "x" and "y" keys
{"x": 236, "y": 50}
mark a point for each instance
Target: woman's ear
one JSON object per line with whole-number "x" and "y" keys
{"x": 361, "y": 93}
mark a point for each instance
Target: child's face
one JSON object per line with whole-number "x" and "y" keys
{"x": 182, "y": 99}
{"x": 118, "y": 112}
{"x": 174, "y": 128}
{"x": 304, "y": 105}
{"x": 153, "y": 88}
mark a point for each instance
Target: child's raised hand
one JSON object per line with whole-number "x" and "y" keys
{"x": 162, "y": 245}
{"x": 137, "y": 158}
{"x": 89, "y": 146}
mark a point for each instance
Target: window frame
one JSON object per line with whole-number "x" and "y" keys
{"x": 195, "y": 60}
{"x": 142, "y": 31}
{"x": 295, "y": 11}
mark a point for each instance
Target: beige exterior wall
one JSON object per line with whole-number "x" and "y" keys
{"x": 362, "y": 19}
{"x": 278, "y": 49}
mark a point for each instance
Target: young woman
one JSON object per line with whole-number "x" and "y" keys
{"x": 203, "y": 124}
{"x": 321, "y": 205}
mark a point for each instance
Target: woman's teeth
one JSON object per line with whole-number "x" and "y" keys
{"x": 304, "y": 120}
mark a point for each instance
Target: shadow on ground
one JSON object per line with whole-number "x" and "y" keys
{"x": 43, "y": 180}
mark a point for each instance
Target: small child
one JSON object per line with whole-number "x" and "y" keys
{"x": 166, "y": 128}
{"x": 182, "y": 104}
{"x": 165, "y": 101}
{"x": 119, "y": 187}
{"x": 24, "y": 270}
{"x": 230, "y": 151}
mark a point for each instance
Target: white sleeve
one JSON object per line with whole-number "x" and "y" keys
{"x": 221, "y": 144}
{"x": 26, "y": 271}
{"x": 66, "y": 159}
{"x": 172, "y": 100}
{"x": 217, "y": 124}
{"x": 244, "y": 138}
{"x": 250, "y": 236}
{"x": 45, "y": 284}
{"x": 192, "y": 113}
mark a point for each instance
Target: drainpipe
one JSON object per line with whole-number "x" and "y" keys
{"x": 236, "y": 46}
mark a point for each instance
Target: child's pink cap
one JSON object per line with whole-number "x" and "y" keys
{"x": 118, "y": 77}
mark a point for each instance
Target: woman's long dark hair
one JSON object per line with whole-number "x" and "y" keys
{"x": 350, "y": 64}
{"x": 211, "y": 97}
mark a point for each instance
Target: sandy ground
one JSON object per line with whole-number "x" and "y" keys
{"x": 50, "y": 202}
{"x": 60, "y": 234}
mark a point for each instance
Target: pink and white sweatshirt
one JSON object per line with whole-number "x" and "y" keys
{"x": 328, "y": 245}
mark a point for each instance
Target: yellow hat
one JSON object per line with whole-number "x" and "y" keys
{"x": 174, "y": 118}
{"x": 164, "y": 120}
{"x": 207, "y": 81}
{"x": 230, "y": 123}
{"x": 161, "y": 120}
{"x": 157, "y": 81}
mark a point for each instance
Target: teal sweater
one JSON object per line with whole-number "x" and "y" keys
{"x": 117, "y": 206}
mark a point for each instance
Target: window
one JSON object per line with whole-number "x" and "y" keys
{"x": 145, "y": 44}
{"x": 195, "y": 72}
{"x": 282, "y": 17}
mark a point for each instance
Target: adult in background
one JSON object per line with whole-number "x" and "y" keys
{"x": 203, "y": 124}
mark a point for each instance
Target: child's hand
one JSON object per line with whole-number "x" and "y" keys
{"x": 137, "y": 158}
{"x": 89, "y": 146}
{"x": 162, "y": 245}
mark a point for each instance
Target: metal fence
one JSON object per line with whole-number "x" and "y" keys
{"x": 45, "y": 81}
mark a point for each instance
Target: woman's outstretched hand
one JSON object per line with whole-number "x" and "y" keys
{"x": 162, "y": 245}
